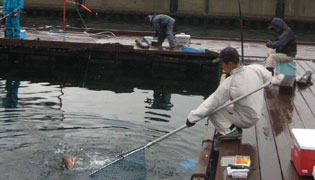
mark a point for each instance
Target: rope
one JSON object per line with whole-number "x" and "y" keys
{"x": 81, "y": 17}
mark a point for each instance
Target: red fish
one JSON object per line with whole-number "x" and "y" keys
{"x": 66, "y": 160}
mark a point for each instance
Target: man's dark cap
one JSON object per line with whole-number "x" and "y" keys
{"x": 227, "y": 54}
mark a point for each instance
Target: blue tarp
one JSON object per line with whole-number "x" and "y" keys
{"x": 187, "y": 49}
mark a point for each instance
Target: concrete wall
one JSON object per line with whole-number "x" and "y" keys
{"x": 192, "y": 7}
{"x": 56, "y": 4}
{"x": 300, "y": 9}
{"x": 162, "y": 6}
{"x": 228, "y": 8}
{"x": 250, "y": 8}
{"x": 256, "y": 9}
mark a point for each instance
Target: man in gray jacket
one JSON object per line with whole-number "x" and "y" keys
{"x": 283, "y": 48}
{"x": 243, "y": 113}
{"x": 163, "y": 27}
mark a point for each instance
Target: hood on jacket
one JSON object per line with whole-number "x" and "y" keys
{"x": 278, "y": 24}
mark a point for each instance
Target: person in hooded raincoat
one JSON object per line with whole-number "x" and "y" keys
{"x": 13, "y": 8}
{"x": 283, "y": 48}
{"x": 244, "y": 113}
{"x": 163, "y": 27}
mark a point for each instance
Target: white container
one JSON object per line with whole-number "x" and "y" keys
{"x": 148, "y": 39}
{"x": 182, "y": 39}
{"x": 237, "y": 173}
{"x": 314, "y": 172}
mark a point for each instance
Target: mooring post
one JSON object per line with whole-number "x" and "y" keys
{"x": 173, "y": 6}
{"x": 280, "y": 9}
{"x": 207, "y": 6}
{"x": 64, "y": 15}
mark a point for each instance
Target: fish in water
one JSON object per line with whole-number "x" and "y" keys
{"x": 66, "y": 160}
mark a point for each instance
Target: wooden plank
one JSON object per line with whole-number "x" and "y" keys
{"x": 203, "y": 162}
{"x": 268, "y": 155}
{"x": 248, "y": 147}
{"x": 305, "y": 99}
{"x": 304, "y": 111}
{"x": 282, "y": 135}
{"x": 227, "y": 148}
{"x": 311, "y": 64}
{"x": 280, "y": 109}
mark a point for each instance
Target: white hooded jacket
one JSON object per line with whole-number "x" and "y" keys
{"x": 242, "y": 81}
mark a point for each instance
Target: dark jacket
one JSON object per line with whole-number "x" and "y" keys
{"x": 285, "y": 43}
{"x": 160, "y": 22}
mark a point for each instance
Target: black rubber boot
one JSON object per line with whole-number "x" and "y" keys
{"x": 238, "y": 128}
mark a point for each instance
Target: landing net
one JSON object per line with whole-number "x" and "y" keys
{"x": 128, "y": 167}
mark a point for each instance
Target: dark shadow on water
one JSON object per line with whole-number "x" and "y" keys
{"x": 11, "y": 98}
{"x": 161, "y": 100}
{"x": 118, "y": 81}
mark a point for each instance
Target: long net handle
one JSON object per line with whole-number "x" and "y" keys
{"x": 218, "y": 109}
{"x": 176, "y": 130}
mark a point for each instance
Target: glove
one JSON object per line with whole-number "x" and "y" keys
{"x": 276, "y": 80}
{"x": 189, "y": 124}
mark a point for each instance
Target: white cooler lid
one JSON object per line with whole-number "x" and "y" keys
{"x": 304, "y": 138}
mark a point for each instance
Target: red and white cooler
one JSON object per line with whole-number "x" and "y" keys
{"x": 303, "y": 151}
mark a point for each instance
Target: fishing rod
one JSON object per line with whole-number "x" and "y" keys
{"x": 76, "y": 4}
{"x": 86, "y": 28}
{"x": 241, "y": 26}
{"x": 4, "y": 17}
{"x": 7, "y": 16}
{"x": 82, "y": 5}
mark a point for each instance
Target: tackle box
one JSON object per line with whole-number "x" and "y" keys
{"x": 182, "y": 39}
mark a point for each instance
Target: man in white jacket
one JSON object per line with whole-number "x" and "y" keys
{"x": 243, "y": 113}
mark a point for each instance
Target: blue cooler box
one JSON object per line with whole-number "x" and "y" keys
{"x": 286, "y": 68}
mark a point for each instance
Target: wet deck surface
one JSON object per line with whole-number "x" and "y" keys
{"x": 251, "y": 48}
{"x": 269, "y": 142}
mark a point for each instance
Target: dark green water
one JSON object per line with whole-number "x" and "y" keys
{"x": 43, "y": 116}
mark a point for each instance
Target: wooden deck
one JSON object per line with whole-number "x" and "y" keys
{"x": 93, "y": 38}
{"x": 269, "y": 142}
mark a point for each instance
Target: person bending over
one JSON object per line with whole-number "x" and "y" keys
{"x": 163, "y": 27}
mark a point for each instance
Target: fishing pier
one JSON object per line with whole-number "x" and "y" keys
{"x": 107, "y": 52}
